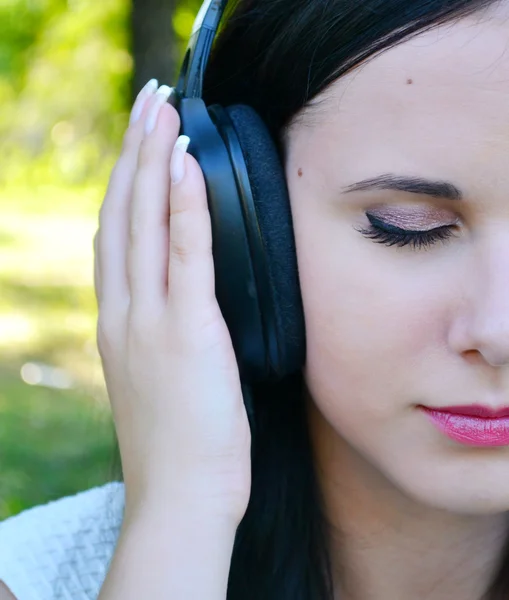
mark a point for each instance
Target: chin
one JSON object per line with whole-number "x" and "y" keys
{"x": 464, "y": 498}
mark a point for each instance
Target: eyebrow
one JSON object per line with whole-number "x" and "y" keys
{"x": 412, "y": 185}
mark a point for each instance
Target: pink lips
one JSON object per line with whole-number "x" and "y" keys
{"x": 472, "y": 425}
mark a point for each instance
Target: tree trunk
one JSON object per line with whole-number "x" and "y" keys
{"x": 154, "y": 45}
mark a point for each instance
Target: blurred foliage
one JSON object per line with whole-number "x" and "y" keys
{"x": 63, "y": 94}
{"x": 65, "y": 72}
{"x": 65, "y": 78}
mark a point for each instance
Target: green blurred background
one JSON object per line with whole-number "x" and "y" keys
{"x": 69, "y": 70}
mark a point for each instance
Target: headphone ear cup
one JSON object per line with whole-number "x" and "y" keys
{"x": 272, "y": 204}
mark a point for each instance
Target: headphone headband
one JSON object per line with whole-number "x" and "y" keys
{"x": 190, "y": 81}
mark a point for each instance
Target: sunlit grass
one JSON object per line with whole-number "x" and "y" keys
{"x": 53, "y": 441}
{"x": 47, "y": 303}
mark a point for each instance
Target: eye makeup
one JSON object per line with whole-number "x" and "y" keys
{"x": 417, "y": 227}
{"x": 414, "y": 218}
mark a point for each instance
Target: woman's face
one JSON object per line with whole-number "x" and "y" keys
{"x": 425, "y": 321}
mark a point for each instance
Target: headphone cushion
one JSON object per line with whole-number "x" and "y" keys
{"x": 272, "y": 204}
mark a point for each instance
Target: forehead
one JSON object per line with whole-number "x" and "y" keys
{"x": 438, "y": 102}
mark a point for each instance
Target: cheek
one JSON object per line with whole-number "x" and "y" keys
{"x": 374, "y": 317}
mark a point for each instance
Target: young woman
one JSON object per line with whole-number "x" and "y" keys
{"x": 380, "y": 471}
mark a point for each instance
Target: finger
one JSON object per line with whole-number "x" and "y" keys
{"x": 191, "y": 268}
{"x": 149, "y": 218}
{"x": 114, "y": 213}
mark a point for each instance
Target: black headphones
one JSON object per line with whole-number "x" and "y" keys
{"x": 257, "y": 283}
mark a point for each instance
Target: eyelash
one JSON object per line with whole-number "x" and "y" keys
{"x": 389, "y": 235}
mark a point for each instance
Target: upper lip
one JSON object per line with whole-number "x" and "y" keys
{"x": 473, "y": 410}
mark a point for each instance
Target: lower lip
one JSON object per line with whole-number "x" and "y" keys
{"x": 469, "y": 430}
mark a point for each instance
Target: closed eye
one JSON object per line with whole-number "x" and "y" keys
{"x": 389, "y": 235}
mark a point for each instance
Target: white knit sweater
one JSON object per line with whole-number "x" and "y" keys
{"x": 62, "y": 550}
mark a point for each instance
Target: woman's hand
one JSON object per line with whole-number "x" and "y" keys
{"x": 167, "y": 355}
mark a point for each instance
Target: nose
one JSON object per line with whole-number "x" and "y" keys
{"x": 482, "y": 325}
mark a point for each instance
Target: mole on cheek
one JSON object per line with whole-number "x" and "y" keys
{"x": 300, "y": 172}
{"x": 409, "y": 81}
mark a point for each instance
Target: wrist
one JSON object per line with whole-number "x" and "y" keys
{"x": 166, "y": 513}
{"x": 193, "y": 501}
{"x": 171, "y": 552}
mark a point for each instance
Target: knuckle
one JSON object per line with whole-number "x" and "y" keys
{"x": 140, "y": 217}
{"x": 133, "y": 232}
{"x": 189, "y": 233}
{"x": 145, "y": 154}
{"x": 138, "y": 327}
{"x": 143, "y": 180}
{"x": 181, "y": 252}
{"x": 142, "y": 330}
{"x": 135, "y": 229}
{"x": 136, "y": 219}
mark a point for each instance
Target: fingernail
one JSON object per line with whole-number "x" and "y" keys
{"x": 162, "y": 95}
{"x": 141, "y": 98}
{"x": 177, "y": 163}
